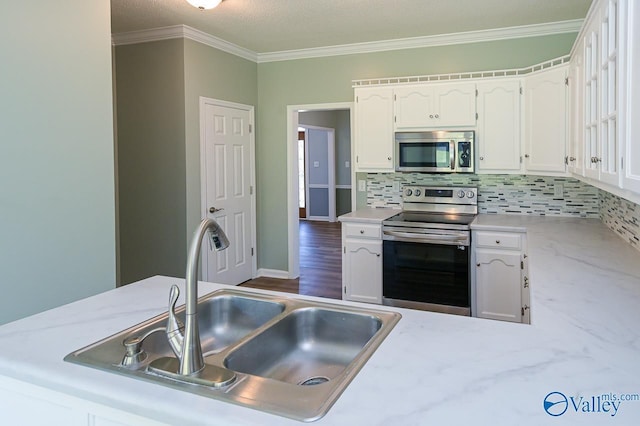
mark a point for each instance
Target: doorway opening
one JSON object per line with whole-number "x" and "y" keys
{"x": 337, "y": 117}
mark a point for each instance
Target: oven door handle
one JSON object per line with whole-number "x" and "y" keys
{"x": 427, "y": 237}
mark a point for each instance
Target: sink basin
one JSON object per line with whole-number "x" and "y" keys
{"x": 309, "y": 346}
{"x": 285, "y": 356}
{"x": 225, "y": 319}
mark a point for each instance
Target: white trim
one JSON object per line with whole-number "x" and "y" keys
{"x": 293, "y": 229}
{"x": 470, "y": 75}
{"x": 320, "y": 219}
{"x": 184, "y": 31}
{"x": 272, "y": 273}
{"x": 318, "y": 185}
{"x": 534, "y": 30}
{"x": 203, "y": 102}
{"x": 343, "y": 186}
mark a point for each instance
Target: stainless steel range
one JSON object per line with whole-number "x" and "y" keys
{"x": 426, "y": 250}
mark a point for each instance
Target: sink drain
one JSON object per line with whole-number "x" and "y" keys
{"x": 314, "y": 381}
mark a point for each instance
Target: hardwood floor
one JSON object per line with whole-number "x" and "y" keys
{"x": 320, "y": 263}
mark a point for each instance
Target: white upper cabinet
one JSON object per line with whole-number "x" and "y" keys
{"x": 498, "y": 137}
{"x": 435, "y": 106}
{"x": 545, "y": 121}
{"x": 631, "y": 97}
{"x": 374, "y": 129}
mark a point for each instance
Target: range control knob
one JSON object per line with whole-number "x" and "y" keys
{"x": 417, "y": 192}
{"x": 470, "y": 194}
{"x": 461, "y": 194}
{"x": 408, "y": 192}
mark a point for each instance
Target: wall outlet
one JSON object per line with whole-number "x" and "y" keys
{"x": 396, "y": 186}
{"x": 362, "y": 185}
{"x": 558, "y": 190}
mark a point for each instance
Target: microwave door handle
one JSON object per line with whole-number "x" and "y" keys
{"x": 452, "y": 152}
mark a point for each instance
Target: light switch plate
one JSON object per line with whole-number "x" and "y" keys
{"x": 346, "y": 164}
{"x": 362, "y": 185}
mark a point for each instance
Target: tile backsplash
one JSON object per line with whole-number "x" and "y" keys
{"x": 499, "y": 194}
{"x": 621, "y": 216}
{"x": 520, "y": 194}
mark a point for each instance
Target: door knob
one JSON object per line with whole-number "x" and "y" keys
{"x": 213, "y": 210}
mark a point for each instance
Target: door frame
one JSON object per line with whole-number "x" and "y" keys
{"x": 204, "y": 101}
{"x": 331, "y": 170}
{"x": 293, "y": 231}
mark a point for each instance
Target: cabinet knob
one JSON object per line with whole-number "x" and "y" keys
{"x": 497, "y": 241}
{"x": 437, "y": 116}
{"x": 362, "y": 231}
{"x": 482, "y": 158}
{"x": 378, "y": 254}
{"x": 478, "y": 265}
{"x": 572, "y": 158}
{"x": 389, "y": 158}
{"x": 430, "y": 115}
{"x": 526, "y": 156}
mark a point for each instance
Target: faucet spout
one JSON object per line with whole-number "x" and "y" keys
{"x": 187, "y": 345}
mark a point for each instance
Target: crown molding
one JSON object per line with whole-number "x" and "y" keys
{"x": 427, "y": 41}
{"x": 183, "y": 31}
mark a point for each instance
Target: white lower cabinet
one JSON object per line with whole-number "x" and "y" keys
{"x": 362, "y": 262}
{"x": 500, "y": 276}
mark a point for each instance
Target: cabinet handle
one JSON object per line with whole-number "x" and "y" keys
{"x": 572, "y": 158}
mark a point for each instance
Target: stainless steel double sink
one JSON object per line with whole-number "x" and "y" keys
{"x": 290, "y": 357}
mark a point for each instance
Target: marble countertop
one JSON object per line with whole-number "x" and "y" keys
{"x": 369, "y": 215}
{"x": 433, "y": 369}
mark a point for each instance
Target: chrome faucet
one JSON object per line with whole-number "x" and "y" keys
{"x": 186, "y": 345}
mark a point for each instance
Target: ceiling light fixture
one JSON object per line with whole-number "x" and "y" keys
{"x": 204, "y": 4}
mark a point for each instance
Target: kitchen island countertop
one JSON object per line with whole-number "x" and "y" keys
{"x": 433, "y": 369}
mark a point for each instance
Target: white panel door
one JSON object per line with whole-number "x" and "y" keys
{"x": 228, "y": 192}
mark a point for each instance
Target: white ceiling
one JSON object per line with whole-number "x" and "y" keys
{"x": 279, "y": 25}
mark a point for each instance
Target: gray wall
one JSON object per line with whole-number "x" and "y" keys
{"x": 151, "y": 159}
{"x": 159, "y": 85}
{"x": 328, "y": 80}
{"x": 57, "y": 161}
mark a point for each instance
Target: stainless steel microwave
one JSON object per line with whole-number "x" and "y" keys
{"x": 441, "y": 151}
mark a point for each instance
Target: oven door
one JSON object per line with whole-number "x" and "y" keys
{"x": 426, "y": 276}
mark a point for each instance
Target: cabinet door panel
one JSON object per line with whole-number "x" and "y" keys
{"x": 545, "y": 121}
{"x": 498, "y": 285}
{"x": 499, "y": 126}
{"x": 363, "y": 270}
{"x": 456, "y": 105}
{"x": 415, "y": 107}
{"x": 374, "y": 129}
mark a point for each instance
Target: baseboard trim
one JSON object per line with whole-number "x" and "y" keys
{"x": 273, "y": 273}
